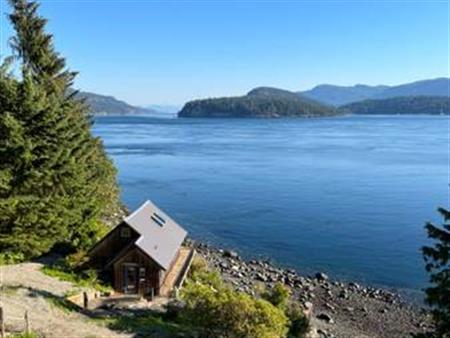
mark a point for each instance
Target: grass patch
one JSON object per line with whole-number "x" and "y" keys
{"x": 57, "y": 272}
{"x": 72, "y": 292}
{"x": 85, "y": 279}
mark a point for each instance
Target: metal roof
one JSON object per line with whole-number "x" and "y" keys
{"x": 161, "y": 236}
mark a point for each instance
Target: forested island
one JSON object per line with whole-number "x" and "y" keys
{"x": 260, "y": 102}
{"x": 413, "y": 105}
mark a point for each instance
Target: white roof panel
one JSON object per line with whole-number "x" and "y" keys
{"x": 161, "y": 236}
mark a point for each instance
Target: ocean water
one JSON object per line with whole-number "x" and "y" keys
{"x": 348, "y": 195}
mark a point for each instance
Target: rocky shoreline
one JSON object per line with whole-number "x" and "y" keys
{"x": 337, "y": 309}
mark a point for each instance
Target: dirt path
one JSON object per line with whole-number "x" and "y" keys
{"x": 26, "y": 288}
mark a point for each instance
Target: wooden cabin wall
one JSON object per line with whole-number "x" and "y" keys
{"x": 110, "y": 246}
{"x": 152, "y": 271}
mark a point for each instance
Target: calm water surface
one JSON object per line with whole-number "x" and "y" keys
{"x": 346, "y": 195}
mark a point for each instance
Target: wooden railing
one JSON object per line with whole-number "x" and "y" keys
{"x": 185, "y": 270}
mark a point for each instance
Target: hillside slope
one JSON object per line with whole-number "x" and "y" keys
{"x": 103, "y": 104}
{"x": 434, "y": 105}
{"x": 341, "y": 95}
{"x": 434, "y": 87}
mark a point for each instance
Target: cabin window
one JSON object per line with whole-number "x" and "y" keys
{"x": 141, "y": 272}
{"x": 158, "y": 219}
{"x": 125, "y": 232}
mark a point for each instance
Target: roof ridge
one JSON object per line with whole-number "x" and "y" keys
{"x": 126, "y": 218}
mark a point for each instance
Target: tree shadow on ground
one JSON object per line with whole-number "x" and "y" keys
{"x": 55, "y": 300}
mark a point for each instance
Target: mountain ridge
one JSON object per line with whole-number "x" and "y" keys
{"x": 400, "y": 105}
{"x": 342, "y": 95}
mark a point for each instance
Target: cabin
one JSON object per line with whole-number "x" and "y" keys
{"x": 143, "y": 255}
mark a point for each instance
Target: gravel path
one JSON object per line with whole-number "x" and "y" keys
{"x": 26, "y": 288}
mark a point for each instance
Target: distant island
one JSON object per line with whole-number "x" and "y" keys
{"x": 109, "y": 105}
{"x": 432, "y": 105}
{"x": 264, "y": 102}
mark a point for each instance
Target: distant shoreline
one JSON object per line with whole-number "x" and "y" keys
{"x": 281, "y": 118}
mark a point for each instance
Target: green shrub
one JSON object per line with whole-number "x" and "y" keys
{"x": 218, "y": 311}
{"x": 199, "y": 264}
{"x": 212, "y": 279}
{"x": 76, "y": 259}
{"x": 10, "y": 257}
{"x": 299, "y": 323}
{"x": 278, "y": 296}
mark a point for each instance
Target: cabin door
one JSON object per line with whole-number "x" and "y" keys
{"x": 130, "y": 278}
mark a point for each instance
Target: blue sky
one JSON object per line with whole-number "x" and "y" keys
{"x": 168, "y": 52}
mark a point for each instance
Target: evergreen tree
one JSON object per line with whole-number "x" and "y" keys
{"x": 56, "y": 182}
{"x": 437, "y": 258}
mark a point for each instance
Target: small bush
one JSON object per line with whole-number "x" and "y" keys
{"x": 10, "y": 257}
{"x": 278, "y": 296}
{"x": 299, "y": 323}
{"x": 76, "y": 259}
{"x": 218, "y": 311}
{"x": 212, "y": 279}
{"x": 198, "y": 265}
